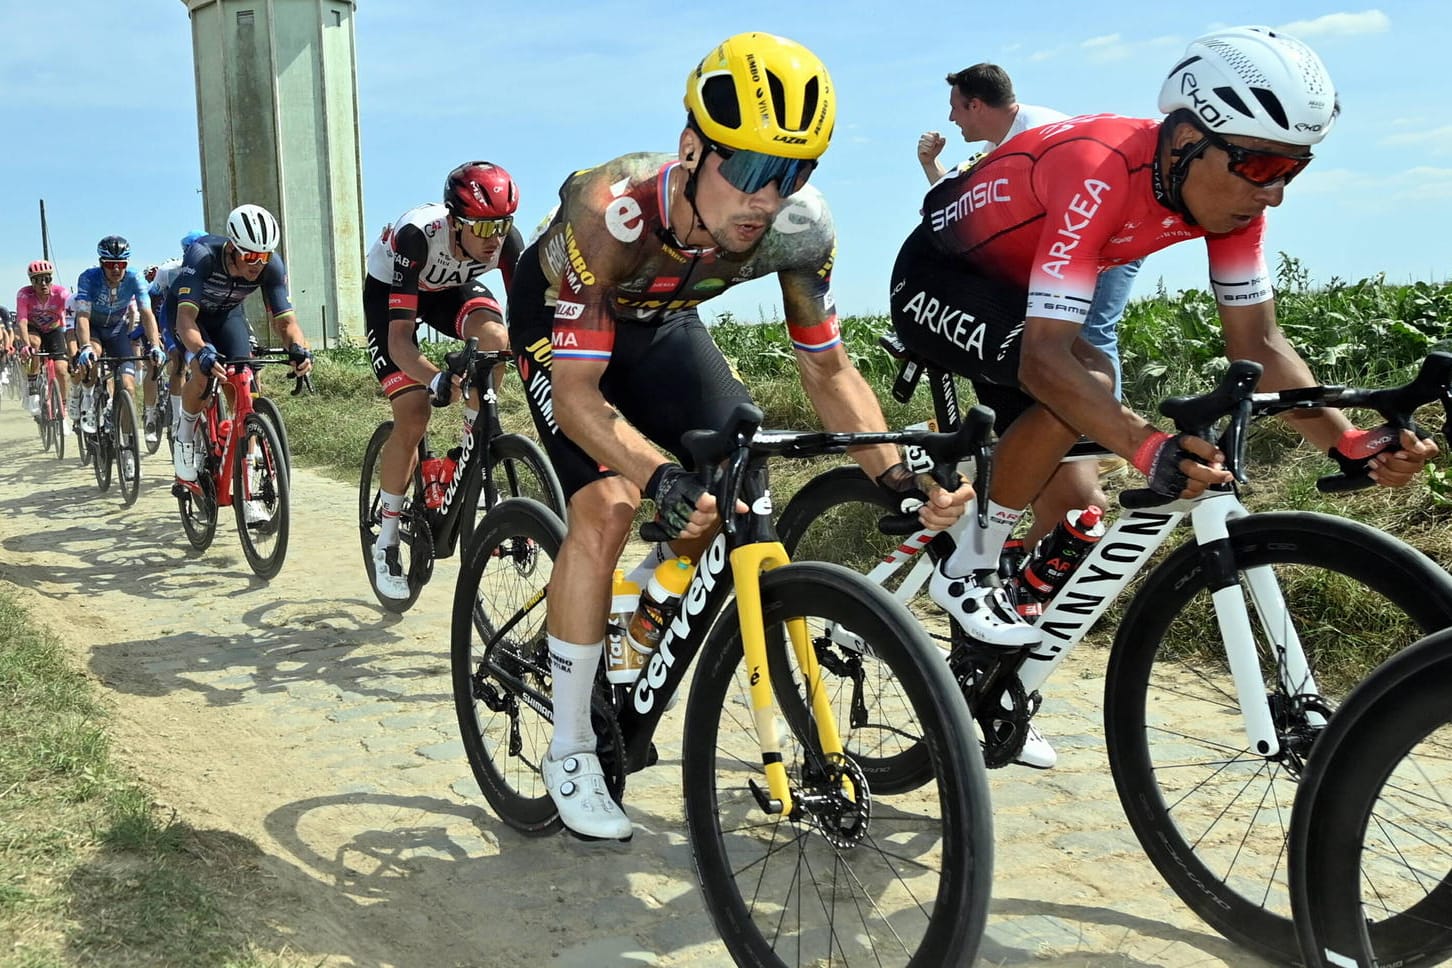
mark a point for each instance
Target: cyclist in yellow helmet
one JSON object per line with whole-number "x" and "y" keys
{"x": 618, "y": 364}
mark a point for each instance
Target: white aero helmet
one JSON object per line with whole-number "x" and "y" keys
{"x": 253, "y": 229}
{"x": 1255, "y": 82}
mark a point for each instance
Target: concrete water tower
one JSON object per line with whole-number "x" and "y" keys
{"x": 277, "y": 122}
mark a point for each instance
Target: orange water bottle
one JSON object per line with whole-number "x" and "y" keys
{"x": 659, "y": 602}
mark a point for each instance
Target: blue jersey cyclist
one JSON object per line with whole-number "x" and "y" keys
{"x": 104, "y": 295}
{"x": 618, "y": 364}
{"x": 158, "y": 292}
{"x": 217, "y": 273}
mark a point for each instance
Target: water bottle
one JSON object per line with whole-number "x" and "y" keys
{"x": 657, "y": 607}
{"x": 1060, "y": 551}
{"x": 621, "y": 665}
{"x": 432, "y": 470}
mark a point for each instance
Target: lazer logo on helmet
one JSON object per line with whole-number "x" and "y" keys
{"x": 789, "y": 139}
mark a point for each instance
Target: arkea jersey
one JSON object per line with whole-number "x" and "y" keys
{"x": 416, "y": 255}
{"x": 41, "y": 317}
{"x": 204, "y": 282}
{"x": 1053, "y": 206}
{"x": 106, "y": 304}
{"x": 609, "y": 255}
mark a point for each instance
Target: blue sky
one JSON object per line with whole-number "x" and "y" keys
{"x": 99, "y": 118}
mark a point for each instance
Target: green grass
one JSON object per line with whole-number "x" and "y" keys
{"x": 91, "y": 872}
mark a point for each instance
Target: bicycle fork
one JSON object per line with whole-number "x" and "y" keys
{"x": 747, "y": 564}
{"x": 1210, "y": 521}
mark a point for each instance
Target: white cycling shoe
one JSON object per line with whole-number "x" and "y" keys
{"x": 184, "y": 461}
{"x": 388, "y": 576}
{"x": 577, "y": 786}
{"x": 978, "y": 604}
{"x": 1037, "y": 753}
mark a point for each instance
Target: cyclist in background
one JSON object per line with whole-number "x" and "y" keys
{"x": 217, "y": 273}
{"x": 40, "y": 326}
{"x": 996, "y": 282}
{"x": 104, "y": 296}
{"x": 158, "y": 292}
{"x": 429, "y": 266}
{"x": 618, "y": 364}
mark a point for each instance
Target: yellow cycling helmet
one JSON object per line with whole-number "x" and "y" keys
{"x": 763, "y": 93}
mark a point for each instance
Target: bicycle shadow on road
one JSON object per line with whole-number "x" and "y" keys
{"x": 1026, "y": 931}
{"x": 319, "y": 649}
{"x": 489, "y": 895}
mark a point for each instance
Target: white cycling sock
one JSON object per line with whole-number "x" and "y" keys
{"x": 978, "y": 548}
{"x": 470, "y": 416}
{"x": 186, "y": 430}
{"x": 390, "y": 506}
{"x": 659, "y": 553}
{"x": 175, "y": 411}
{"x": 573, "y": 667}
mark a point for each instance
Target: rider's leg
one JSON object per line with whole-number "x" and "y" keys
{"x": 396, "y": 464}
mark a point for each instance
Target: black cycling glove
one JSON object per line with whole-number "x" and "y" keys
{"x": 901, "y": 484}
{"x": 1158, "y": 459}
{"x": 675, "y": 492}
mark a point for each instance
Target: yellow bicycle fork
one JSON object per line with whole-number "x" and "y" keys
{"x": 747, "y": 565}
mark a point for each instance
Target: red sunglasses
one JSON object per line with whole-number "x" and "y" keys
{"x": 1258, "y": 166}
{"x": 113, "y": 263}
{"x": 253, "y": 258}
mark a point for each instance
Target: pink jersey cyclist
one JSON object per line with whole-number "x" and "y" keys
{"x": 42, "y": 315}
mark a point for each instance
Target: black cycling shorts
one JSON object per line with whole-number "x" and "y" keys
{"x": 664, "y": 378}
{"x": 966, "y": 323}
{"x": 443, "y": 311}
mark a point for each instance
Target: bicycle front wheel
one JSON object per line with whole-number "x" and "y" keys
{"x": 850, "y": 874}
{"x": 500, "y": 656}
{"x": 55, "y": 414}
{"x": 127, "y": 448}
{"x": 1211, "y": 813}
{"x": 1371, "y": 833}
{"x": 103, "y": 445}
{"x": 517, "y": 468}
{"x": 260, "y": 496}
{"x": 268, "y": 409}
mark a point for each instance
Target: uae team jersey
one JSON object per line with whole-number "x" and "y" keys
{"x": 1052, "y": 207}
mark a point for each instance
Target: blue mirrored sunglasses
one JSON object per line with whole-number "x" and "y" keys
{"x": 751, "y": 171}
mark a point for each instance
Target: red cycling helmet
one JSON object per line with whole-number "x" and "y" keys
{"x": 478, "y": 189}
{"x": 39, "y": 268}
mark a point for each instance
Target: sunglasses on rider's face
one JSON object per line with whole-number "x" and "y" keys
{"x": 117, "y": 265}
{"x": 253, "y": 258}
{"x": 1258, "y": 166}
{"x": 42, "y": 279}
{"x": 751, "y": 171}
{"x": 487, "y": 228}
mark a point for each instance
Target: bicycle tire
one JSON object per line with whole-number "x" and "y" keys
{"x": 259, "y": 476}
{"x": 103, "y": 457}
{"x": 156, "y": 415}
{"x": 519, "y": 468}
{"x": 125, "y": 443}
{"x": 505, "y": 568}
{"x": 268, "y": 409}
{"x": 199, "y": 508}
{"x": 415, "y": 541}
{"x": 1370, "y": 824}
{"x": 1234, "y": 879}
{"x": 57, "y": 418}
{"x": 942, "y": 833}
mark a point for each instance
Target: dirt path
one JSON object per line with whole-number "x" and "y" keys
{"x": 300, "y": 718}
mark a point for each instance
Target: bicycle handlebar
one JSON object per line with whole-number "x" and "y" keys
{"x": 1236, "y": 398}
{"x": 742, "y": 438}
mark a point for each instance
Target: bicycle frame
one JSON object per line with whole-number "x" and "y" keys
{"x": 225, "y": 445}
{"x": 446, "y": 521}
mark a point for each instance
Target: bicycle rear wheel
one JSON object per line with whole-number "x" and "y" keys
{"x": 847, "y": 876}
{"x": 499, "y": 651}
{"x": 1371, "y": 832}
{"x": 55, "y": 414}
{"x": 260, "y": 496}
{"x": 154, "y": 419}
{"x": 127, "y": 448}
{"x": 415, "y": 540}
{"x": 1212, "y": 814}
